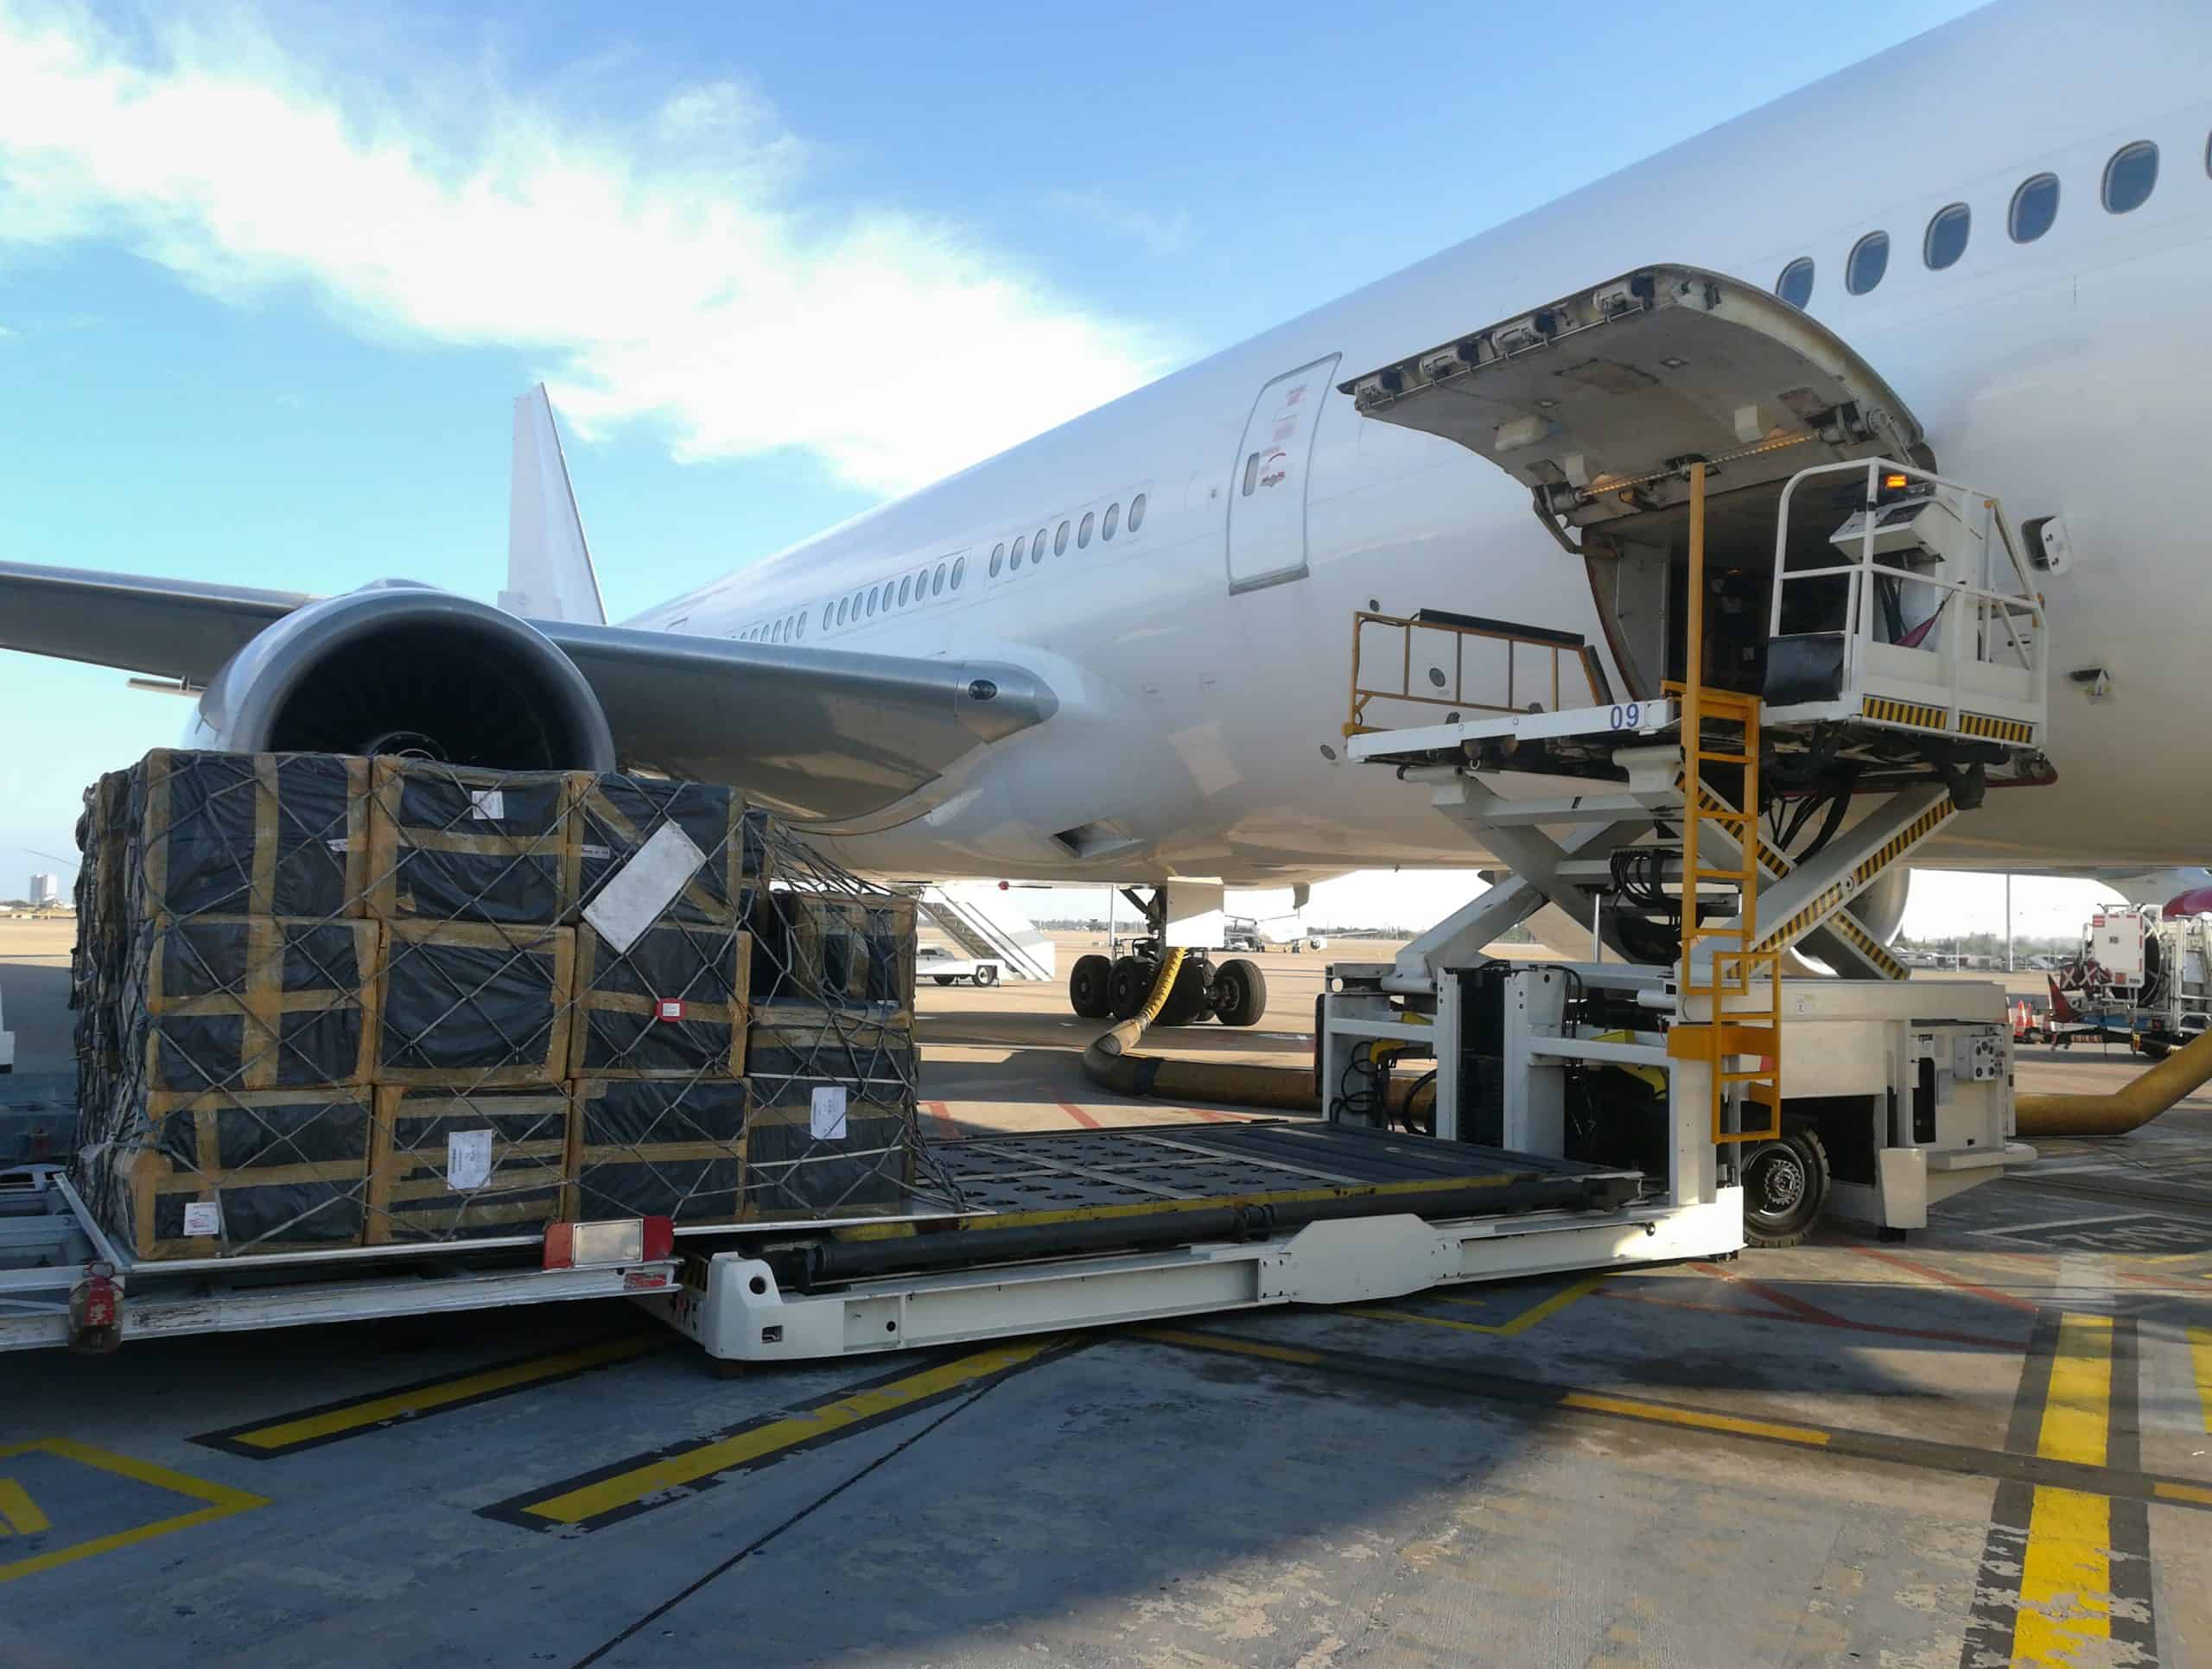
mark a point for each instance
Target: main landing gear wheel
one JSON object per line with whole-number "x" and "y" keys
{"x": 1785, "y": 1188}
{"x": 1130, "y": 985}
{"x": 1187, "y": 998}
{"x": 1091, "y": 987}
{"x": 1239, "y": 992}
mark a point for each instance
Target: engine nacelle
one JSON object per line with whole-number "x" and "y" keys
{"x": 400, "y": 667}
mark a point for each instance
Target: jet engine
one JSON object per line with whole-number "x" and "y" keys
{"x": 399, "y": 667}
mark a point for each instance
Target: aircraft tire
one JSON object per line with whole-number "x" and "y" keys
{"x": 1239, "y": 992}
{"x": 1131, "y": 985}
{"x": 1091, "y": 987}
{"x": 1186, "y": 1000}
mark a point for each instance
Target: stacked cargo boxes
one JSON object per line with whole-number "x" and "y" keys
{"x": 338, "y": 1002}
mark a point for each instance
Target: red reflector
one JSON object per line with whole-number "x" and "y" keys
{"x": 660, "y": 1237}
{"x": 670, "y": 1008}
{"x": 560, "y": 1245}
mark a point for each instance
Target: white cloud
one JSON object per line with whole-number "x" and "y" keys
{"x": 661, "y": 268}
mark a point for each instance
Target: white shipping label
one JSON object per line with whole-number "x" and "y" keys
{"x": 489, "y": 803}
{"x": 468, "y": 1158}
{"x": 598, "y": 854}
{"x": 633, "y": 900}
{"x": 828, "y": 1122}
{"x": 203, "y": 1217}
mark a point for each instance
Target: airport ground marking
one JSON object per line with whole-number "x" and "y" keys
{"x": 352, "y": 1417}
{"x": 2200, "y": 1355}
{"x": 1543, "y": 1310}
{"x": 219, "y": 1502}
{"x": 610, "y": 1494}
{"x": 1958, "y": 1283}
{"x": 19, "y": 1514}
{"x": 1079, "y": 1115}
{"x": 2120, "y": 1482}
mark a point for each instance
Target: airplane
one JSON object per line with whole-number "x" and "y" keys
{"x": 1116, "y": 652}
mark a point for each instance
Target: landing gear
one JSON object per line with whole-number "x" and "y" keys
{"x": 1130, "y": 985}
{"x": 1090, "y": 988}
{"x": 1239, "y": 992}
{"x": 1785, "y": 1188}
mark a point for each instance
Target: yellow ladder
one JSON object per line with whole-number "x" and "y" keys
{"x": 1741, "y": 975}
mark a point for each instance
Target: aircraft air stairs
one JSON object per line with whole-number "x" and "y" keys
{"x": 987, "y": 927}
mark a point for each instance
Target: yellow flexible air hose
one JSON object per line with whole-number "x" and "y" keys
{"x": 1108, "y": 1062}
{"x": 2148, "y": 1095}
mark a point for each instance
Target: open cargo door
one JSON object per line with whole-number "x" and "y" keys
{"x": 1599, "y": 402}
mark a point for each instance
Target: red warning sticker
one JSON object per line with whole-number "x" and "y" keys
{"x": 670, "y": 1008}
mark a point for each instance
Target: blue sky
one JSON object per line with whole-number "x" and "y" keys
{"x": 269, "y": 277}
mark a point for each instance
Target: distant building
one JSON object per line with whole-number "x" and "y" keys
{"x": 45, "y": 890}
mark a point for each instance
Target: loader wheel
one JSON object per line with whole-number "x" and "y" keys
{"x": 1091, "y": 987}
{"x": 1239, "y": 992}
{"x": 1785, "y": 1188}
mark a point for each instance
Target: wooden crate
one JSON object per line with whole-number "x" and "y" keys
{"x": 278, "y": 1170}
{"x": 660, "y": 1147}
{"x": 249, "y": 1003}
{"x": 618, "y": 814}
{"x": 455, "y": 843}
{"x": 246, "y": 835}
{"x": 673, "y": 1005}
{"x": 849, "y": 951}
{"x": 471, "y": 1005}
{"x": 412, "y": 1156}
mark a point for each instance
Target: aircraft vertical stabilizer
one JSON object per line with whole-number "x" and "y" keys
{"x": 549, "y": 575}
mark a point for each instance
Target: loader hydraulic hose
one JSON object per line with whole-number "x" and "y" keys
{"x": 2148, "y": 1095}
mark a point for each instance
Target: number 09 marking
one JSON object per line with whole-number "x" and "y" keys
{"x": 1626, "y": 715}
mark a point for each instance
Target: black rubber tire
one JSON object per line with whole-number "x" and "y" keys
{"x": 2153, "y": 1052}
{"x": 1186, "y": 1000}
{"x": 987, "y": 975}
{"x": 1239, "y": 992}
{"x": 1091, "y": 987}
{"x": 1785, "y": 1188}
{"x": 942, "y": 979}
{"x": 1131, "y": 985}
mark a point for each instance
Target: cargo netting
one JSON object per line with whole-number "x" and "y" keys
{"x": 326, "y": 1002}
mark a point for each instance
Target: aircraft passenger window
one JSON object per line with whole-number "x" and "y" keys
{"x": 998, "y": 556}
{"x": 1251, "y": 473}
{"x": 1946, "y": 237}
{"x": 1037, "y": 546}
{"x": 2130, "y": 175}
{"x": 2035, "y": 206}
{"x": 1137, "y": 513}
{"x": 1870, "y": 259}
{"x": 1014, "y": 560}
{"x": 905, "y": 586}
{"x": 841, "y": 601}
{"x": 1113, "y": 519}
{"x": 825, "y": 616}
{"x": 872, "y": 591}
{"x": 1795, "y": 284}
{"x": 936, "y": 585}
{"x": 921, "y": 585}
{"x": 1083, "y": 533}
{"x": 799, "y": 627}
{"x": 959, "y": 567}
{"x": 1060, "y": 541}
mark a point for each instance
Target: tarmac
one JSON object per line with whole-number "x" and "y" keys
{"x": 1990, "y": 1444}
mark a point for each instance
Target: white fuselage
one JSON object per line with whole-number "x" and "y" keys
{"x": 2066, "y": 374}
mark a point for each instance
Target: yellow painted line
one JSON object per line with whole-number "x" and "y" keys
{"x": 2200, "y": 1350}
{"x": 1238, "y": 1347}
{"x": 221, "y": 1502}
{"x": 625, "y": 1489}
{"x": 374, "y": 1410}
{"x": 19, "y": 1512}
{"x": 1506, "y": 1330}
{"x": 2193, "y": 1494}
{"x": 1635, "y": 1408}
{"x": 2066, "y": 1571}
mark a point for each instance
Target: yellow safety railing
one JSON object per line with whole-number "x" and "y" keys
{"x": 1536, "y": 664}
{"x": 1720, "y": 727}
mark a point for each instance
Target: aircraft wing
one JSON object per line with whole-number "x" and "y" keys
{"x": 821, "y": 734}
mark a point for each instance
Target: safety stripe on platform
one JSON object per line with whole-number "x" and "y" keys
{"x": 607, "y": 1495}
{"x": 1887, "y": 709}
{"x": 333, "y": 1422}
{"x": 1452, "y": 1379}
{"x": 1835, "y": 895}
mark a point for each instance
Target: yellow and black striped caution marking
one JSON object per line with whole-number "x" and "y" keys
{"x": 333, "y": 1422}
{"x": 1989, "y": 727}
{"x": 1886, "y": 709}
{"x": 607, "y": 1495}
{"x": 2116, "y": 1480}
{"x": 2064, "y": 1564}
{"x": 1835, "y": 896}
